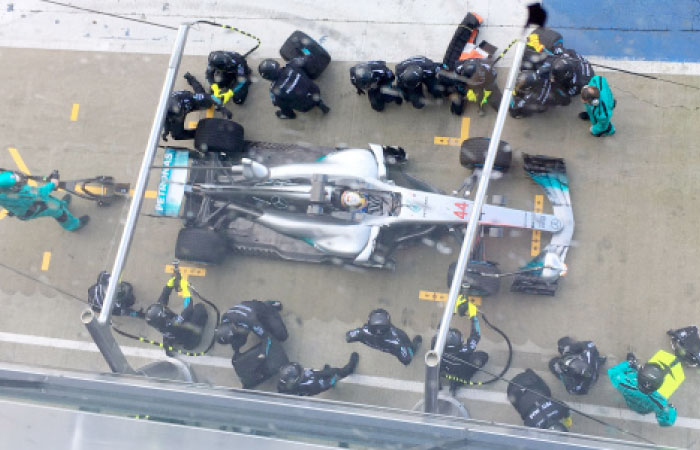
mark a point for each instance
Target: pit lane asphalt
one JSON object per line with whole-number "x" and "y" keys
{"x": 631, "y": 268}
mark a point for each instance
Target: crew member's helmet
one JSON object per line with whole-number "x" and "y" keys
{"x": 590, "y": 94}
{"x": 557, "y": 426}
{"x": 379, "y": 321}
{"x": 269, "y": 69}
{"x": 562, "y": 70}
{"x": 411, "y": 76}
{"x": 526, "y": 81}
{"x": 454, "y": 339}
{"x": 650, "y": 378}
{"x": 574, "y": 365}
{"x": 363, "y": 76}
{"x": 156, "y": 316}
{"x": 228, "y": 332}
{"x": 466, "y": 69}
{"x": 353, "y": 200}
{"x": 290, "y": 377}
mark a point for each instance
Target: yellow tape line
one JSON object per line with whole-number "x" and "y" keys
{"x": 46, "y": 261}
{"x": 453, "y": 141}
{"x": 537, "y": 234}
{"x": 147, "y": 194}
{"x": 187, "y": 271}
{"x": 191, "y": 125}
{"x": 442, "y": 297}
{"x": 3, "y": 214}
{"x": 74, "y": 112}
{"x": 210, "y": 113}
{"x": 20, "y": 164}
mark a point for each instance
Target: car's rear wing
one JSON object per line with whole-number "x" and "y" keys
{"x": 550, "y": 173}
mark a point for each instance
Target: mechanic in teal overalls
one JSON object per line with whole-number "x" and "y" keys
{"x": 639, "y": 387}
{"x": 599, "y": 102}
{"x": 28, "y": 202}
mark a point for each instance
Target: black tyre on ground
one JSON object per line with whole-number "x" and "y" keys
{"x": 299, "y": 44}
{"x": 472, "y": 155}
{"x": 200, "y": 245}
{"x": 479, "y": 285}
{"x": 219, "y": 135}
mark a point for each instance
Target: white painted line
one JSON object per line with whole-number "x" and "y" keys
{"x": 361, "y": 380}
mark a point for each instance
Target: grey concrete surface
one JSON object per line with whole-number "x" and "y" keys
{"x": 631, "y": 270}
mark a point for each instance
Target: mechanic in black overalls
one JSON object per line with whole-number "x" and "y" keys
{"x": 578, "y": 365}
{"x": 534, "y": 94}
{"x": 377, "y": 79}
{"x": 460, "y": 360}
{"x": 123, "y": 298}
{"x": 291, "y": 88}
{"x": 262, "y": 318}
{"x": 182, "y": 103}
{"x": 414, "y": 73}
{"x": 570, "y": 71}
{"x": 379, "y": 333}
{"x": 296, "y": 380}
{"x": 228, "y": 75}
{"x": 178, "y": 329}
{"x": 533, "y": 403}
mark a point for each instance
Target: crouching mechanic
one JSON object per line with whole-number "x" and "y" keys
{"x": 639, "y": 385}
{"x": 28, "y": 202}
{"x": 380, "y": 334}
{"x": 262, "y": 318}
{"x": 459, "y": 359}
{"x": 531, "y": 397}
{"x": 297, "y": 380}
{"x": 291, "y": 88}
{"x": 228, "y": 75}
{"x": 377, "y": 79}
{"x": 123, "y": 298}
{"x": 178, "y": 329}
{"x": 182, "y": 103}
{"x": 578, "y": 365}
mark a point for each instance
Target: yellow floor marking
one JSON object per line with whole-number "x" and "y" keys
{"x": 74, "y": 112}
{"x": 537, "y": 234}
{"x": 20, "y": 164}
{"x": 453, "y": 141}
{"x": 3, "y": 214}
{"x": 46, "y": 260}
{"x": 147, "y": 194}
{"x": 210, "y": 113}
{"x": 442, "y": 297}
{"x": 187, "y": 271}
{"x": 191, "y": 125}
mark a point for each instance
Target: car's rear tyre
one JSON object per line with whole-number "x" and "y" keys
{"x": 472, "y": 155}
{"x": 219, "y": 135}
{"x": 200, "y": 245}
{"x": 316, "y": 58}
{"x": 479, "y": 285}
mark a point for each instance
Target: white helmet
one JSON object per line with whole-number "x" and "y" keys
{"x": 353, "y": 199}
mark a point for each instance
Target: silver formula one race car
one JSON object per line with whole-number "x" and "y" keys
{"x": 350, "y": 206}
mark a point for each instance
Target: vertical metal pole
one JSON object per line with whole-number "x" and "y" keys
{"x": 431, "y": 390}
{"x": 99, "y": 329}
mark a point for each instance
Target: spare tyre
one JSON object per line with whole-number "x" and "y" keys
{"x": 220, "y": 136}
{"x": 472, "y": 155}
{"x": 478, "y": 284}
{"x": 301, "y": 45}
{"x": 200, "y": 245}
{"x": 467, "y": 31}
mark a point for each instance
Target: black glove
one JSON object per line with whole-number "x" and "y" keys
{"x": 360, "y": 91}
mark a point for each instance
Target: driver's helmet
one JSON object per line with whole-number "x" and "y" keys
{"x": 379, "y": 321}
{"x": 269, "y": 69}
{"x": 227, "y": 333}
{"x": 156, "y": 316}
{"x": 466, "y": 68}
{"x": 650, "y": 378}
{"x": 411, "y": 76}
{"x": 363, "y": 76}
{"x": 454, "y": 339}
{"x": 562, "y": 70}
{"x": 353, "y": 200}
{"x": 290, "y": 377}
{"x": 574, "y": 365}
{"x": 557, "y": 426}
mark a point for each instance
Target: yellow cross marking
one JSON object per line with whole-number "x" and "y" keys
{"x": 191, "y": 125}
{"x": 3, "y": 214}
{"x": 20, "y": 164}
{"x": 210, "y": 113}
{"x": 537, "y": 234}
{"x": 74, "y": 112}
{"x": 46, "y": 260}
{"x": 453, "y": 141}
{"x": 147, "y": 194}
{"x": 442, "y": 297}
